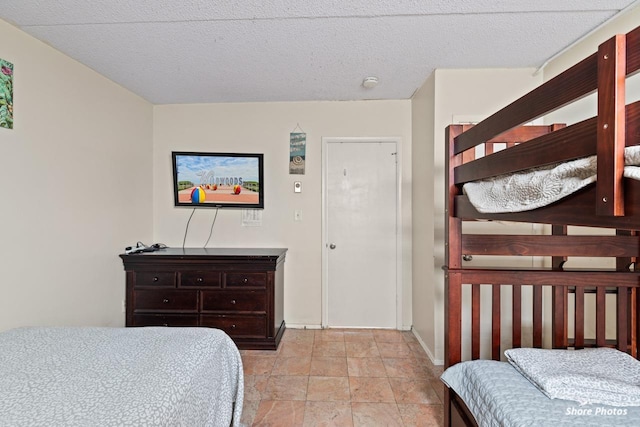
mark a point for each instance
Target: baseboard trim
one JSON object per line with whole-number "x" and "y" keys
{"x": 426, "y": 349}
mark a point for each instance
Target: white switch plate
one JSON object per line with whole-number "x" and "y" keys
{"x": 297, "y": 215}
{"x": 297, "y": 187}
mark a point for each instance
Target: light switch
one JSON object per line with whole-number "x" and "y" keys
{"x": 297, "y": 215}
{"x": 297, "y": 187}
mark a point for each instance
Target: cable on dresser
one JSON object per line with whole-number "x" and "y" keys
{"x": 211, "y": 231}
{"x": 187, "y": 227}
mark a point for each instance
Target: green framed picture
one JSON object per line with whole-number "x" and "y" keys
{"x": 6, "y": 94}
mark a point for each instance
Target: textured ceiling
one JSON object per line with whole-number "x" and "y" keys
{"x": 197, "y": 51}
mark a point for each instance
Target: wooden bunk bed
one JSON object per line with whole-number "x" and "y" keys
{"x": 612, "y": 203}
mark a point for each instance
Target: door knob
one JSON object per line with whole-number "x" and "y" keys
{"x": 332, "y": 246}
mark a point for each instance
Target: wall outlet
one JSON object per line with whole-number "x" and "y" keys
{"x": 297, "y": 215}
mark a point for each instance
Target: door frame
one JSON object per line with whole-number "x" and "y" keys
{"x": 325, "y": 238}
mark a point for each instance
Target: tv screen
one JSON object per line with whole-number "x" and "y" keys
{"x": 218, "y": 180}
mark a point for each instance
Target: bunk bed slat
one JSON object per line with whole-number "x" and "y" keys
{"x": 547, "y": 148}
{"x": 522, "y": 134}
{"x": 453, "y": 319}
{"x": 559, "y": 316}
{"x": 537, "y": 316}
{"x": 622, "y": 319}
{"x": 475, "y": 321}
{"x": 533, "y": 245}
{"x": 600, "y": 316}
{"x": 611, "y": 126}
{"x": 495, "y": 322}
{"x": 587, "y": 278}
{"x": 579, "y": 318}
{"x": 516, "y": 316}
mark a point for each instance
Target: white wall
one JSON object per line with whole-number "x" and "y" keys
{"x": 76, "y": 171}
{"x": 422, "y": 117}
{"x": 264, "y": 128}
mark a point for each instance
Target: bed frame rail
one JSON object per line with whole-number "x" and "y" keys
{"x": 561, "y": 284}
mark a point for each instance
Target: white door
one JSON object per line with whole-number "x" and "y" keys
{"x": 360, "y": 236}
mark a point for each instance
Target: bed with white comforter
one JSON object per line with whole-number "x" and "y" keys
{"x": 119, "y": 376}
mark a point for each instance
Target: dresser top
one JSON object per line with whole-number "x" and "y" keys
{"x": 208, "y": 253}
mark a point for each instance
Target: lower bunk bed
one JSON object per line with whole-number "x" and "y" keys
{"x": 570, "y": 320}
{"x": 545, "y": 387}
{"x": 493, "y": 393}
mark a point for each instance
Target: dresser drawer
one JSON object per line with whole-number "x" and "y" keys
{"x": 237, "y": 325}
{"x": 156, "y": 278}
{"x": 200, "y": 278}
{"x": 246, "y": 279}
{"x": 165, "y": 320}
{"x": 165, "y": 300}
{"x": 241, "y": 300}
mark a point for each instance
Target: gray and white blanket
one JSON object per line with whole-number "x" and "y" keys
{"x": 538, "y": 187}
{"x": 499, "y": 396}
{"x": 591, "y": 376}
{"x": 119, "y": 376}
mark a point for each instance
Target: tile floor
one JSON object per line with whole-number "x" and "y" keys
{"x": 342, "y": 377}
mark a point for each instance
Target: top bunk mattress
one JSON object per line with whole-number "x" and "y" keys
{"x": 539, "y": 187}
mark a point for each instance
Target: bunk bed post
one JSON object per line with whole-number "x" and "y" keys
{"x": 626, "y": 323}
{"x": 453, "y": 256}
{"x": 611, "y": 126}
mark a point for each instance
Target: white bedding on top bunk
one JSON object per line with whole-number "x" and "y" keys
{"x": 119, "y": 377}
{"x": 538, "y": 187}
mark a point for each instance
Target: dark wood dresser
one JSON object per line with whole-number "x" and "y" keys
{"x": 238, "y": 290}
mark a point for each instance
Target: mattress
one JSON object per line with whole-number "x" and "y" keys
{"x": 497, "y": 395}
{"x": 119, "y": 376}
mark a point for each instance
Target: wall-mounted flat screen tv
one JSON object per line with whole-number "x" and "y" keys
{"x": 218, "y": 180}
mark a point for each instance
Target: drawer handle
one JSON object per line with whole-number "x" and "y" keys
{"x": 165, "y": 324}
{"x": 155, "y": 279}
{"x": 245, "y": 280}
{"x": 233, "y": 301}
{"x": 166, "y": 300}
{"x": 233, "y": 326}
{"x": 199, "y": 280}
